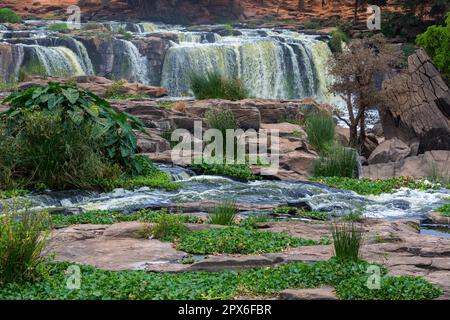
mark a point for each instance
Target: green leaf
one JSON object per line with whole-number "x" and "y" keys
{"x": 71, "y": 94}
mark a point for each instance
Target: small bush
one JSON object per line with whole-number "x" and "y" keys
{"x": 216, "y": 86}
{"x": 223, "y": 214}
{"x": 221, "y": 119}
{"x": 320, "y": 128}
{"x": 296, "y": 212}
{"x": 59, "y": 27}
{"x": 21, "y": 244}
{"x": 347, "y": 241}
{"x": 337, "y": 38}
{"x": 168, "y": 228}
{"x": 444, "y": 210}
{"x": 9, "y": 16}
{"x": 337, "y": 162}
{"x": 235, "y": 240}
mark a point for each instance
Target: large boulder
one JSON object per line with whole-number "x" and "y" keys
{"x": 421, "y": 166}
{"x": 417, "y": 105}
{"x": 391, "y": 150}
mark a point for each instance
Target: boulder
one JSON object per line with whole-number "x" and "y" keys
{"x": 417, "y": 105}
{"x": 391, "y": 150}
{"x": 421, "y": 166}
{"x": 438, "y": 218}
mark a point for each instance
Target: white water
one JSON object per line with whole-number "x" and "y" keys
{"x": 138, "y": 64}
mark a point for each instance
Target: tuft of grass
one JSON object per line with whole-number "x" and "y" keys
{"x": 213, "y": 85}
{"x": 223, "y": 214}
{"x": 238, "y": 171}
{"x": 168, "y": 228}
{"x": 336, "y": 162}
{"x": 347, "y": 241}
{"x": 235, "y": 240}
{"x": 21, "y": 244}
{"x": 320, "y": 128}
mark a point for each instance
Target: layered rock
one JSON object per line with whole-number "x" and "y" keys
{"x": 417, "y": 107}
{"x": 392, "y": 150}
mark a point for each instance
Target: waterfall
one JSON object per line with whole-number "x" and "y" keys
{"x": 83, "y": 56}
{"x": 281, "y": 67}
{"x": 52, "y": 61}
{"x": 134, "y": 66}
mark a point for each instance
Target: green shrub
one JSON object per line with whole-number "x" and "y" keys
{"x": 336, "y": 162}
{"x": 216, "y": 86}
{"x": 9, "y": 16}
{"x": 347, "y": 241}
{"x": 59, "y": 27}
{"x": 320, "y": 128}
{"x": 436, "y": 41}
{"x": 125, "y": 34}
{"x": 296, "y": 212}
{"x": 337, "y": 38}
{"x": 238, "y": 171}
{"x": 168, "y": 228}
{"x": 21, "y": 244}
{"x": 391, "y": 288}
{"x": 222, "y": 120}
{"x": 78, "y": 107}
{"x": 235, "y": 240}
{"x": 223, "y": 214}
{"x": 444, "y": 210}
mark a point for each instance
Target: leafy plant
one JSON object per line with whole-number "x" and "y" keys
{"x": 436, "y": 41}
{"x": 296, "y": 212}
{"x": 213, "y": 85}
{"x": 59, "y": 27}
{"x": 77, "y": 107}
{"x": 376, "y": 187}
{"x": 235, "y": 240}
{"x": 337, "y": 38}
{"x": 223, "y": 214}
{"x": 21, "y": 244}
{"x": 9, "y": 16}
{"x": 347, "y": 241}
{"x": 444, "y": 210}
{"x": 320, "y": 128}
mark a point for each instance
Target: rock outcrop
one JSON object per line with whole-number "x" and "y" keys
{"x": 421, "y": 166}
{"x": 417, "y": 107}
{"x": 391, "y": 150}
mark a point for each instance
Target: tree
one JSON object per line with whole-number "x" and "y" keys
{"x": 354, "y": 71}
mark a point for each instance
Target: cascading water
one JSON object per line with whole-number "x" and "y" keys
{"x": 281, "y": 67}
{"x": 134, "y": 66}
{"x": 52, "y": 61}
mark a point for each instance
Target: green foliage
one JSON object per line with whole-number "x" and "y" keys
{"x": 239, "y": 171}
{"x": 392, "y": 288}
{"x": 320, "y": 128}
{"x": 221, "y": 119}
{"x": 21, "y": 244}
{"x": 59, "y": 27}
{"x": 337, "y": 38}
{"x": 347, "y": 241}
{"x": 14, "y": 193}
{"x": 337, "y": 161}
{"x": 125, "y": 34}
{"x": 235, "y": 240}
{"x": 375, "y": 187}
{"x": 9, "y": 16}
{"x": 110, "y": 217}
{"x": 399, "y": 24}
{"x": 141, "y": 285}
{"x": 77, "y": 107}
{"x": 436, "y": 41}
{"x": 223, "y": 214}
{"x": 168, "y": 228}
{"x": 296, "y": 212}
{"x": 444, "y": 210}
{"x": 213, "y": 85}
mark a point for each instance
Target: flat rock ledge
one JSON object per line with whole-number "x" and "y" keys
{"x": 396, "y": 244}
{"x": 325, "y": 293}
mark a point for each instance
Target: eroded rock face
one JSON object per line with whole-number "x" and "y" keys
{"x": 417, "y": 105}
{"x": 420, "y": 166}
{"x": 10, "y": 60}
{"x": 392, "y": 150}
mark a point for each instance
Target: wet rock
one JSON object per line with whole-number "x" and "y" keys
{"x": 325, "y": 293}
{"x": 401, "y": 204}
{"x": 221, "y": 263}
{"x": 439, "y": 218}
{"x": 302, "y": 205}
